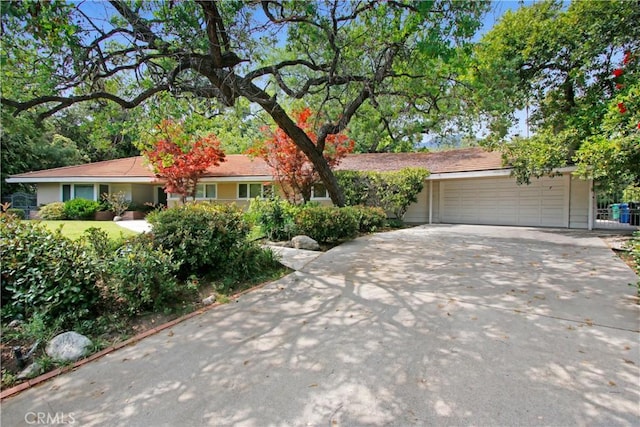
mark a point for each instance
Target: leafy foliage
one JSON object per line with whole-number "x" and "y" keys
{"x": 327, "y": 223}
{"x": 634, "y": 247}
{"x": 18, "y": 213}
{"x": 45, "y": 273}
{"x": 398, "y": 61}
{"x": 53, "y": 211}
{"x": 203, "y": 237}
{"x": 291, "y": 168}
{"x": 275, "y": 216}
{"x": 369, "y": 218}
{"x": 143, "y": 277}
{"x": 180, "y": 160}
{"x": 575, "y": 68}
{"x": 392, "y": 191}
{"x": 116, "y": 202}
{"x": 80, "y": 209}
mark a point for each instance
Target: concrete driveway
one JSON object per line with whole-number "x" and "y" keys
{"x": 434, "y": 325}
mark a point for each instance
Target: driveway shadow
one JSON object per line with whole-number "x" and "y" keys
{"x": 424, "y": 326}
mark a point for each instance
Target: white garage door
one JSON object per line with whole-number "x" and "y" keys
{"x": 500, "y": 201}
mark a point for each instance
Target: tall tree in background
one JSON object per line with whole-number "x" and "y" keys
{"x": 559, "y": 61}
{"x": 180, "y": 160}
{"x": 340, "y": 55}
{"x": 291, "y": 168}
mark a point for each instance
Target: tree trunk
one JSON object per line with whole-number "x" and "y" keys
{"x": 299, "y": 137}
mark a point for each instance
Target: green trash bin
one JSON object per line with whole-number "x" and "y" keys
{"x": 615, "y": 209}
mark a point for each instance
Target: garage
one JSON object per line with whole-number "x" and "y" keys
{"x": 501, "y": 201}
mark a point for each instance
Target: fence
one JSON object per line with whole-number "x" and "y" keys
{"x": 617, "y": 216}
{"x": 25, "y": 201}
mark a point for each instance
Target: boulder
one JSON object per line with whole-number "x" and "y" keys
{"x": 30, "y": 371}
{"x": 305, "y": 242}
{"x": 209, "y": 300}
{"x": 68, "y": 346}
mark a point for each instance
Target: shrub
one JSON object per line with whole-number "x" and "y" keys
{"x": 392, "y": 191}
{"x": 116, "y": 202}
{"x": 80, "y": 208}
{"x": 202, "y": 236}
{"x": 249, "y": 262}
{"x": 327, "y": 223}
{"x": 45, "y": 273}
{"x": 369, "y": 218}
{"x": 143, "y": 277}
{"x": 275, "y": 216}
{"x": 18, "y": 213}
{"x": 53, "y": 211}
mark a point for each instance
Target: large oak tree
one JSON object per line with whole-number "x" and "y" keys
{"x": 340, "y": 55}
{"x": 560, "y": 61}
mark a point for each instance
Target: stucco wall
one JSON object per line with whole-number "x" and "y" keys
{"x": 142, "y": 193}
{"x": 48, "y": 193}
{"x": 418, "y": 212}
{"x": 125, "y": 188}
{"x": 579, "y": 203}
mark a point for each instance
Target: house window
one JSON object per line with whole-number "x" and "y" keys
{"x": 250, "y": 191}
{"x": 80, "y": 191}
{"x": 206, "y": 191}
{"x": 104, "y": 189}
{"x": 66, "y": 192}
{"x": 319, "y": 191}
{"x": 83, "y": 191}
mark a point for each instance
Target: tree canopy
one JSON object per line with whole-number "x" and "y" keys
{"x": 397, "y": 61}
{"x": 560, "y": 61}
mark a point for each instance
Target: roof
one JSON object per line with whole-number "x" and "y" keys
{"x": 136, "y": 169}
{"x": 461, "y": 160}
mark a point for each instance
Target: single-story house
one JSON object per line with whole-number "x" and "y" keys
{"x": 466, "y": 186}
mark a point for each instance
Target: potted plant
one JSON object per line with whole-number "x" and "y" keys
{"x": 118, "y": 204}
{"x": 104, "y": 212}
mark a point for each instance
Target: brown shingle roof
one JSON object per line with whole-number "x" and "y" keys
{"x": 237, "y": 165}
{"x": 462, "y": 160}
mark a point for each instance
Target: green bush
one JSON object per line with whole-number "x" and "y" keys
{"x": 80, "y": 209}
{"x": 202, "y": 236}
{"x": 392, "y": 191}
{"x": 250, "y": 262}
{"x": 369, "y": 218}
{"x": 327, "y": 223}
{"x": 18, "y": 213}
{"x": 143, "y": 277}
{"x": 275, "y": 216}
{"x": 52, "y": 211}
{"x": 45, "y": 273}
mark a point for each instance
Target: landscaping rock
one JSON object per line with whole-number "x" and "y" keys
{"x": 30, "y": 371}
{"x": 305, "y": 242}
{"x": 68, "y": 346}
{"x": 209, "y": 300}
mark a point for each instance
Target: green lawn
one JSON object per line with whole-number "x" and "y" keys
{"x": 75, "y": 229}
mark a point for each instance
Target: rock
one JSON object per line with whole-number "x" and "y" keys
{"x": 68, "y": 347}
{"x": 209, "y": 300}
{"x": 305, "y": 242}
{"x": 30, "y": 371}
{"x": 117, "y": 218}
{"x": 15, "y": 323}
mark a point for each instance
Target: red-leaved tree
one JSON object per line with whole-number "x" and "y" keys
{"x": 181, "y": 160}
{"x": 291, "y": 168}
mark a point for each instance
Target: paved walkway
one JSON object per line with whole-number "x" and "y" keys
{"x": 434, "y": 325}
{"x": 137, "y": 225}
